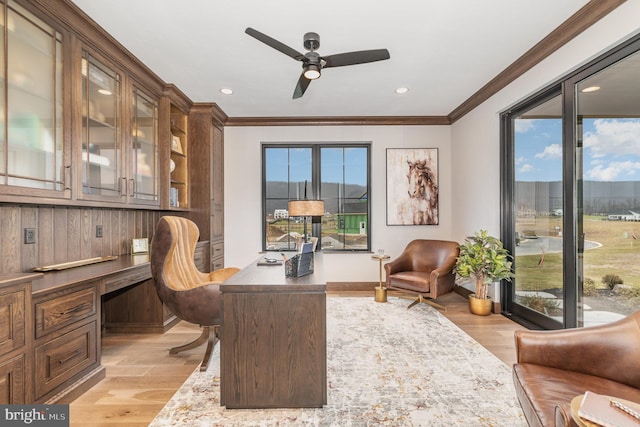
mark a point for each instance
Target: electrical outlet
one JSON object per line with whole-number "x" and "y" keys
{"x": 29, "y": 236}
{"x": 98, "y": 231}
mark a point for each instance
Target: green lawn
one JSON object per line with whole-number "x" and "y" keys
{"x": 619, "y": 254}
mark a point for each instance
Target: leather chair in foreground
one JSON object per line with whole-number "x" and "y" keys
{"x": 191, "y": 295}
{"x": 425, "y": 269}
{"x": 553, "y": 367}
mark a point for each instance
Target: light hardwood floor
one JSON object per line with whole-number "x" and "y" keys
{"x": 141, "y": 376}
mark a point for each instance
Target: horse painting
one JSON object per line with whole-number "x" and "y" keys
{"x": 423, "y": 193}
{"x": 412, "y": 187}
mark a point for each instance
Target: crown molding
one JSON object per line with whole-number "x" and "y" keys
{"x": 588, "y": 15}
{"x": 338, "y": 121}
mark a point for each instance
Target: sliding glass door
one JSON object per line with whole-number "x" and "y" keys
{"x": 571, "y": 196}
{"x": 608, "y": 155}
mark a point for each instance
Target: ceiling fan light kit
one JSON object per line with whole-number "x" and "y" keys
{"x": 312, "y": 62}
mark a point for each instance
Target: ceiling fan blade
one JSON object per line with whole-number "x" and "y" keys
{"x": 269, "y": 41}
{"x": 353, "y": 58}
{"x": 301, "y": 86}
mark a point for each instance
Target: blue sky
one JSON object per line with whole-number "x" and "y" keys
{"x": 297, "y": 162}
{"x": 611, "y": 149}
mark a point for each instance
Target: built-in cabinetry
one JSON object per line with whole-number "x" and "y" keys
{"x": 34, "y": 155}
{"x": 119, "y": 137}
{"x": 95, "y": 147}
{"x": 176, "y": 150}
{"x": 51, "y": 324}
{"x": 207, "y": 177}
{"x": 15, "y": 347}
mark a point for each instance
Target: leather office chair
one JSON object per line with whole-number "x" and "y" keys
{"x": 424, "y": 268}
{"x": 190, "y": 294}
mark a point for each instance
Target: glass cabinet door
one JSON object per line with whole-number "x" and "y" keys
{"x": 101, "y": 140}
{"x": 144, "y": 149}
{"x": 31, "y": 137}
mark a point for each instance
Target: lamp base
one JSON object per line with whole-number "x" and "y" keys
{"x": 380, "y": 294}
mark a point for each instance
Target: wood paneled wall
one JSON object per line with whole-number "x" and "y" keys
{"x": 67, "y": 234}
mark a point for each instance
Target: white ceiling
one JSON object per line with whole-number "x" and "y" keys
{"x": 442, "y": 50}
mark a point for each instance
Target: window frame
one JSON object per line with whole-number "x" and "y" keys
{"x": 314, "y": 189}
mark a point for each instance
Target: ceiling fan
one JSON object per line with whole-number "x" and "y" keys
{"x": 312, "y": 62}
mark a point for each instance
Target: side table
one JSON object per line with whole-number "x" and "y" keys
{"x": 380, "y": 291}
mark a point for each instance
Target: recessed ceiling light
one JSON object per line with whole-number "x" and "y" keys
{"x": 104, "y": 91}
{"x": 226, "y": 91}
{"x": 590, "y": 89}
{"x": 401, "y": 90}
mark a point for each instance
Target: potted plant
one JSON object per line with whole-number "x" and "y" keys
{"x": 484, "y": 259}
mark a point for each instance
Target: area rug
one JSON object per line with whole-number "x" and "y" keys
{"x": 386, "y": 366}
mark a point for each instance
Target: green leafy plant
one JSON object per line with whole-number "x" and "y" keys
{"x": 484, "y": 259}
{"x": 611, "y": 280}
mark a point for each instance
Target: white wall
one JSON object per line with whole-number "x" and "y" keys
{"x": 469, "y": 165}
{"x": 476, "y": 137}
{"x": 243, "y": 180}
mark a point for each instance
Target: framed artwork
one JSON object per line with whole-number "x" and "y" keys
{"x": 412, "y": 186}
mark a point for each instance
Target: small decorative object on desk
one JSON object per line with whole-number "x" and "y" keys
{"x": 269, "y": 261}
{"x": 140, "y": 246}
{"x": 299, "y": 265}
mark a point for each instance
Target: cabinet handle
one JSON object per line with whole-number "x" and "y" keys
{"x": 67, "y": 177}
{"x": 123, "y": 187}
{"x": 66, "y": 359}
{"x": 133, "y": 187}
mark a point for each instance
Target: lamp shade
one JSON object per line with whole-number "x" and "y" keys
{"x": 306, "y": 207}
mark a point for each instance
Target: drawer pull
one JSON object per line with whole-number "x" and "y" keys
{"x": 66, "y": 359}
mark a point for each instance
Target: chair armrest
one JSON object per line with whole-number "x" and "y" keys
{"x": 222, "y": 274}
{"x": 402, "y": 263}
{"x": 608, "y": 351}
{"x": 445, "y": 267}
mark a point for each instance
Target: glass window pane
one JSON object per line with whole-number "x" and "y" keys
{"x": 101, "y": 149}
{"x": 34, "y": 102}
{"x": 608, "y": 147}
{"x": 144, "y": 147}
{"x": 538, "y": 197}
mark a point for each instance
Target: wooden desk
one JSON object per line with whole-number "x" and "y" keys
{"x": 273, "y": 341}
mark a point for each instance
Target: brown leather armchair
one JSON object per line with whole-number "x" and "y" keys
{"x": 553, "y": 367}
{"x": 425, "y": 268}
{"x": 191, "y": 295}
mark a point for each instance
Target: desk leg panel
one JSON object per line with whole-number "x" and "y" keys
{"x": 273, "y": 350}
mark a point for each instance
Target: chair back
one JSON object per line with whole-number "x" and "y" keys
{"x": 172, "y": 251}
{"x": 427, "y": 255}
{"x": 187, "y": 292}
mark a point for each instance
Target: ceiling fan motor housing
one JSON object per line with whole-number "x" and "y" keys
{"x": 311, "y": 41}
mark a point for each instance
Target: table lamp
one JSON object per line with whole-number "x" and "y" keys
{"x": 306, "y": 208}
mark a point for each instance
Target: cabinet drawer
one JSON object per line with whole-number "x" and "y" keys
{"x": 59, "y": 359}
{"x": 123, "y": 280}
{"x": 54, "y": 313}
{"x": 12, "y": 381}
{"x": 217, "y": 250}
{"x": 12, "y": 323}
{"x": 200, "y": 256}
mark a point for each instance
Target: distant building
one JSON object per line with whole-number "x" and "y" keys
{"x": 280, "y": 214}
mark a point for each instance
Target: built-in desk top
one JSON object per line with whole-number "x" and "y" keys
{"x": 267, "y": 278}
{"x": 124, "y": 264}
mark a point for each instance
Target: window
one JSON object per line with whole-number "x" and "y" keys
{"x": 338, "y": 174}
{"x": 571, "y": 195}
